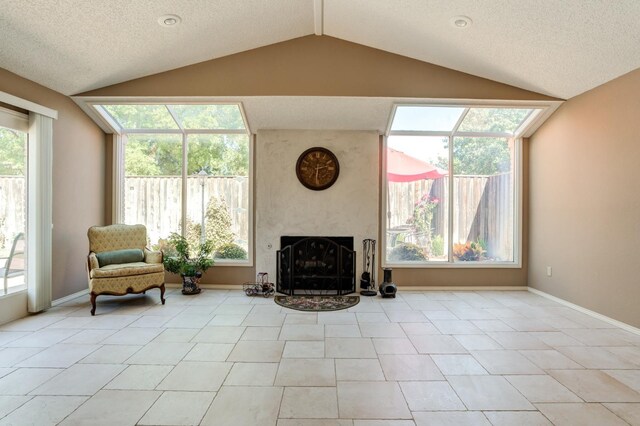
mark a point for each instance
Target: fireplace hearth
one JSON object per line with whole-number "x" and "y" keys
{"x": 316, "y": 265}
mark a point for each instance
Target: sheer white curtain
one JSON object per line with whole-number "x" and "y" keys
{"x": 39, "y": 209}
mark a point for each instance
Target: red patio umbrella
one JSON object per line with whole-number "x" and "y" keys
{"x": 404, "y": 168}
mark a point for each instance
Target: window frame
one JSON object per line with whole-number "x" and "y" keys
{"x": 119, "y": 140}
{"x": 39, "y": 199}
{"x": 18, "y": 121}
{"x": 540, "y": 112}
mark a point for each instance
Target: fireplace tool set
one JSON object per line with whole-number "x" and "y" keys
{"x": 368, "y": 280}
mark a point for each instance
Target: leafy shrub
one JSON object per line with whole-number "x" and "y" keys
{"x": 407, "y": 252}
{"x": 423, "y": 213}
{"x": 230, "y": 251}
{"x": 217, "y": 225}
{"x": 437, "y": 245}
{"x": 468, "y": 251}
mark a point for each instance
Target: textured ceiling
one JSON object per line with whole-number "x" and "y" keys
{"x": 76, "y": 45}
{"x": 556, "y": 47}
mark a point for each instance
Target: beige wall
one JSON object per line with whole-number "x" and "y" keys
{"x": 585, "y": 202}
{"x": 349, "y": 208}
{"x": 317, "y": 66}
{"x": 78, "y": 180}
{"x": 326, "y": 66}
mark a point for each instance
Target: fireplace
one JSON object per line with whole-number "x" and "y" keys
{"x": 316, "y": 265}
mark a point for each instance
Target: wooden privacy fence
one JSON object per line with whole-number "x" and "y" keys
{"x": 151, "y": 200}
{"x": 485, "y": 206}
{"x": 483, "y": 209}
{"x": 156, "y": 201}
{"x": 13, "y": 210}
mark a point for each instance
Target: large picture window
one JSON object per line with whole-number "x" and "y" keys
{"x": 452, "y": 185}
{"x": 186, "y": 169}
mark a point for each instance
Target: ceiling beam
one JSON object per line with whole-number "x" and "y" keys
{"x": 318, "y": 17}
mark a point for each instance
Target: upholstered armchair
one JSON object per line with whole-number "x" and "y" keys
{"x": 119, "y": 262}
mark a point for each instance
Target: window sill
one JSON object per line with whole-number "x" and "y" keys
{"x": 14, "y": 293}
{"x": 239, "y": 263}
{"x": 457, "y": 265}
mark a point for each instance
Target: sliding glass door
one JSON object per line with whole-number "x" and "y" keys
{"x": 13, "y": 201}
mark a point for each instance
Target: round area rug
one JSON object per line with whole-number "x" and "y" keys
{"x": 317, "y": 303}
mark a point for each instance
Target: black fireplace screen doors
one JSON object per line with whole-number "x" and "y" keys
{"x": 316, "y": 265}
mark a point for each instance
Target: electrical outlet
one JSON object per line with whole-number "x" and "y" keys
{"x": 548, "y": 271}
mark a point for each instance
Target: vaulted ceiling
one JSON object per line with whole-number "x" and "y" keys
{"x": 559, "y": 48}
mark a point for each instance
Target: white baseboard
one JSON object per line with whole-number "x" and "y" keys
{"x": 400, "y": 288}
{"x": 462, "y": 288}
{"x": 209, "y": 286}
{"x": 589, "y": 312}
{"x": 69, "y": 297}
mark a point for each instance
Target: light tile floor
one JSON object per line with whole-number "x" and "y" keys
{"x": 221, "y": 358}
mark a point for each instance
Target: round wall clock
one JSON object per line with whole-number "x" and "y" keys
{"x": 317, "y": 168}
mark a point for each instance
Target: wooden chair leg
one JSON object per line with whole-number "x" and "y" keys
{"x": 162, "y": 293}
{"x": 93, "y": 303}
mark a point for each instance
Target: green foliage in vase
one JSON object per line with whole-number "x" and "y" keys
{"x": 179, "y": 257}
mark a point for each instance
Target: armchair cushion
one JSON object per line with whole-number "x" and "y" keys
{"x": 126, "y": 269}
{"x": 119, "y": 256}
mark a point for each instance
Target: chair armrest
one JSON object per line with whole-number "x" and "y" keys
{"x": 152, "y": 256}
{"x": 93, "y": 261}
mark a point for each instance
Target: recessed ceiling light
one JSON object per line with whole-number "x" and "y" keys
{"x": 461, "y": 21}
{"x": 169, "y": 20}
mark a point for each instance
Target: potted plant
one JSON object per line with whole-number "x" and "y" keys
{"x": 189, "y": 262}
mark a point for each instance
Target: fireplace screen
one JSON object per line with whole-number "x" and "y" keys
{"x": 316, "y": 265}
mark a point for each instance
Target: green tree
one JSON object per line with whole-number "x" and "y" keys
{"x": 218, "y": 155}
{"x": 217, "y": 225}
{"x": 158, "y": 155}
{"x": 484, "y": 155}
{"x": 161, "y": 154}
{"x": 142, "y": 116}
{"x": 153, "y": 155}
{"x": 13, "y": 152}
{"x": 479, "y": 156}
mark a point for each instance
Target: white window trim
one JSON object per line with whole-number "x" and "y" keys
{"x": 14, "y": 120}
{"x": 18, "y": 121}
{"x": 28, "y": 105}
{"x": 87, "y": 104}
{"x": 529, "y": 125}
{"x": 39, "y": 126}
{"x": 517, "y": 226}
{"x": 119, "y": 137}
